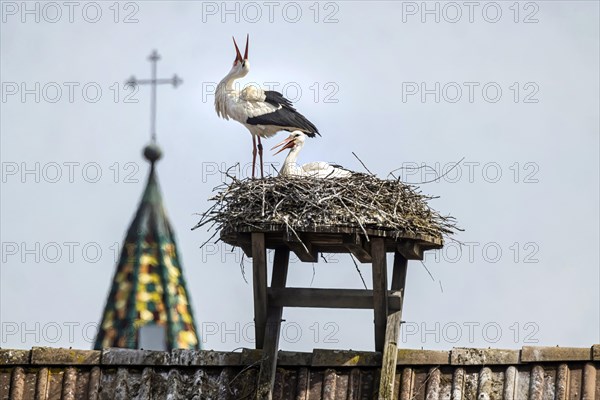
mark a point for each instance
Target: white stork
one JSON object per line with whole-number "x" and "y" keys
{"x": 263, "y": 112}
{"x": 317, "y": 169}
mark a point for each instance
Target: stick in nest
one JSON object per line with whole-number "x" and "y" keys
{"x": 361, "y": 201}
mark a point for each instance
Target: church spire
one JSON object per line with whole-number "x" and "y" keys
{"x": 148, "y": 305}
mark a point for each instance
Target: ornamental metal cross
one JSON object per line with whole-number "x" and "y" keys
{"x": 175, "y": 81}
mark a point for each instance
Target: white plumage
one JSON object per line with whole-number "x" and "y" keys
{"x": 262, "y": 112}
{"x": 317, "y": 169}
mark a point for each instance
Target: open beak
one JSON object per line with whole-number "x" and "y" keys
{"x": 238, "y": 57}
{"x": 287, "y": 144}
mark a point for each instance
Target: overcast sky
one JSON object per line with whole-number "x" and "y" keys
{"x": 511, "y": 87}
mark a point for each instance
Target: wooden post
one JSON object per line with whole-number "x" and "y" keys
{"x": 268, "y": 365}
{"x": 259, "y": 281}
{"x": 379, "y": 290}
{"x": 390, "y": 357}
{"x": 392, "y": 332}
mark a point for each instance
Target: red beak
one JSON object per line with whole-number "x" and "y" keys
{"x": 238, "y": 56}
{"x": 288, "y": 144}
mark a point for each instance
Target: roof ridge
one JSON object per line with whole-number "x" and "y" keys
{"x": 458, "y": 356}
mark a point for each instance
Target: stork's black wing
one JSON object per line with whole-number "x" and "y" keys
{"x": 286, "y": 116}
{"x": 277, "y": 99}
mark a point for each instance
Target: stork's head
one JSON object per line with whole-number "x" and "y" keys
{"x": 241, "y": 66}
{"x": 295, "y": 140}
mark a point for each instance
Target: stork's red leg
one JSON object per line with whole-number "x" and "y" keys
{"x": 253, "y": 154}
{"x": 260, "y": 151}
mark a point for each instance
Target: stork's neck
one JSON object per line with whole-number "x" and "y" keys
{"x": 290, "y": 166}
{"x": 227, "y": 83}
{"x": 225, "y": 94}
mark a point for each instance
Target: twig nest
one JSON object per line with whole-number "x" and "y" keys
{"x": 304, "y": 204}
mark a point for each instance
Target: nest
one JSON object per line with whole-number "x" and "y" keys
{"x": 362, "y": 201}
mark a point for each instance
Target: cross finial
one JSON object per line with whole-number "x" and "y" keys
{"x": 175, "y": 81}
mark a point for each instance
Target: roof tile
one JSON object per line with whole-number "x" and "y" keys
{"x": 129, "y": 374}
{"x": 465, "y": 356}
{"x": 14, "y": 357}
{"x": 543, "y": 354}
{"x": 423, "y": 357}
{"x": 52, "y": 356}
{"x": 204, "y": 358}
{"x": 345, "y": 358}
{"x": 115, "y": 356}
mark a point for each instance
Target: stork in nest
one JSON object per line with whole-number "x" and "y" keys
{"x": 263, "y": 112}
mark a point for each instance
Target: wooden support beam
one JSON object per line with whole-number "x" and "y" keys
{"x": 242, "y": 240}
{"x": 329, "y": 298}
{"x": 247, "y": 249}
{"x": 259, "y": 281}
{"x": 399, "y": 272}
{"x": 392, "y": 331}
{"x": 395, "y": 300}
{"x": 380, "y": 298}
{"x": 356, "y": 245}
{"x": 268, "y": 365}
{"x": 410, "y": 249}
{"x": 302, "y": 249}
{"x": 390, "y": 357}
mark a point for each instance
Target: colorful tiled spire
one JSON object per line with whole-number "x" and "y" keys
{"x": 148, "y": 286}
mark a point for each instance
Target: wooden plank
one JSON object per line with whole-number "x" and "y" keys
{"x": 356, "y": 245}
{"x": 302, "y": 248}
{"x": 428, "y": 241}
{"x": 380, "y": 298}
{"x": 390, "y": 356}
{"x": 394, "y": 300}
{"x": 410, "y": 249}
{"x": 268, "y": 365}
{"x": 399, "y": 272}
{"x": 245, "y": 243}
{"x": 259, "y": 281}
{"x": 329, "y": 298}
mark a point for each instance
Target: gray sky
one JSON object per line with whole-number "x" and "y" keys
{"x": 517, "y": 89}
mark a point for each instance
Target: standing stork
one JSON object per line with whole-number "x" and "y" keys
{"x": 263, "y": 112}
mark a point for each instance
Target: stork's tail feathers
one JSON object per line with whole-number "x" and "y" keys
{"x": 309, "y": 128}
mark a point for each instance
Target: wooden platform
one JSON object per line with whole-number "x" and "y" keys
{"x": 306, "y": 243}
{"x": 367, "y": 245}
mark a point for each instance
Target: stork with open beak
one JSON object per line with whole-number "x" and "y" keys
{"x": 317, "y": 169}
{"x": 263, "y": 112}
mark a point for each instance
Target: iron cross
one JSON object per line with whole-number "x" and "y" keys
{"x": 175, "y": 81}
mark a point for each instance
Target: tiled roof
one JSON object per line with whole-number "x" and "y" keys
{"x": 535, "y": 373}
{"x": 148, "y": 286}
